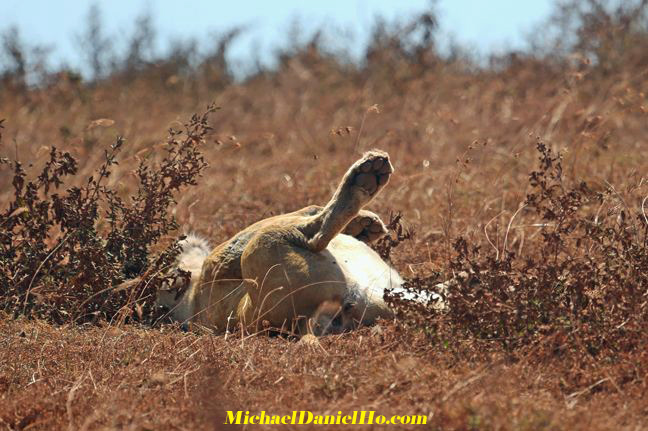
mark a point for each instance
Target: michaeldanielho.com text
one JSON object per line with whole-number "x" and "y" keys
{"x": 305, "y": 418}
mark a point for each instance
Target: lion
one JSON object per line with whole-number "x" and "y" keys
{"x": 309, "y": 271}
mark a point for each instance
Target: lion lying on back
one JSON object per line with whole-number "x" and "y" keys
{"x": 306, "y": 271}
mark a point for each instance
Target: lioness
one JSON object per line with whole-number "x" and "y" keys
{"x": 306, "y": 271}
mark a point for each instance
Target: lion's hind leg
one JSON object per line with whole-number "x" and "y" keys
{"x": 287, "y": 280}
{"x": 361, "y": 183}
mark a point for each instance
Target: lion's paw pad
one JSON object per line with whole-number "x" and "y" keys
{"x": 373, "y": 172}
{"x": 367, "y": 227}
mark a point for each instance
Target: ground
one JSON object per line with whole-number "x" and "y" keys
{"x": 141, "y": 379}
{"x": 552, "y": 335}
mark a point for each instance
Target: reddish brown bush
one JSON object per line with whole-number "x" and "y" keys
{"x": 55, "y": 260}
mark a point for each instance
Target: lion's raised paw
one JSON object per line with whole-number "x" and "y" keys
{"x": 372, "y": 172}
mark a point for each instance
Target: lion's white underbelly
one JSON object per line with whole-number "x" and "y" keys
{"x": 365, "y": 271}
{"x": 363, "y": 268}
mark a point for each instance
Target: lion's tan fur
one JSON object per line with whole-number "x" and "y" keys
{"x": 309, "y": 270}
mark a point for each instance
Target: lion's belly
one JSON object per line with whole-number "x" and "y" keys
{"x": 366, "y": 274}
{"x": 369, "y": 275}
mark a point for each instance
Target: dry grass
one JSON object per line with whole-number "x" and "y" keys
{"x": 133, "y": 378}
{"x": 463, "y": 143}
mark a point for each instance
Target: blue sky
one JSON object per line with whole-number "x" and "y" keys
{"x": 483, "y": 25}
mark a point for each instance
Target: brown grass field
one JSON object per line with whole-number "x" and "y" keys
{"x": 550, "y": 333}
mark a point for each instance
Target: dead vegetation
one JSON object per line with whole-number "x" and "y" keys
{"x": 524, "y": 180}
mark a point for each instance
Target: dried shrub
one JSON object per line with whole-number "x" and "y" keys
{"x": 585, "y": 280}
{"x": 397, "y": 233}
{"x": 56, "y": 263}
